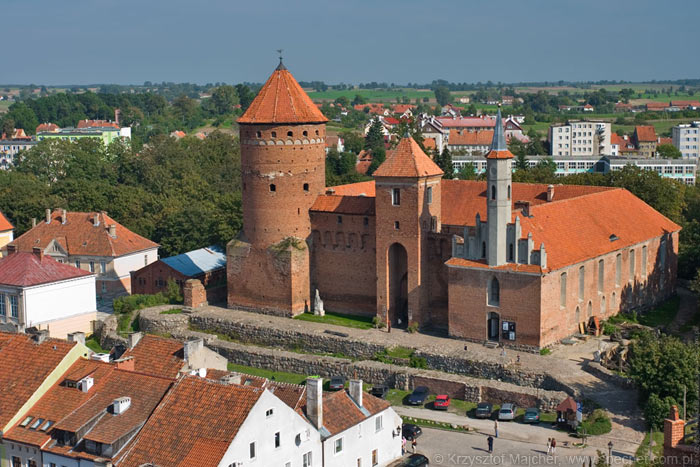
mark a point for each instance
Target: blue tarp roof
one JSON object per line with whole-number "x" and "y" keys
{"x": 197, "y": 262}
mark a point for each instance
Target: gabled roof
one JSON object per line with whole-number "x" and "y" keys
{"x": 340, "y": 412}
{"x": 97, "y": 124}
{"x": 24, "y": 365}
{"x": 5, "y": 223}
{"x": 159, "y": 356}
{"x": 198, "y": 262}
{"x": 407, "y": 160}
{"x": 282, "y": 100}
{"x": 360, "y": 205}
{"x": 79, "y": 236}
{"x": 470, "y": 138}
{"x": 24, "y": 269}
{"x": 193, "y": 426}
{"x": 50, "y": 127}
{"x": 645, "y": 133}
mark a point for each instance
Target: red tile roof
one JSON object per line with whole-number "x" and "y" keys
{"x": 645, "y": 133}
{"x": 429, "y": 143}
{"x": 470, "y": 138}
{"x": 499, "y": 155}
{"x": 97, "y": 124}
{"x": 50, "y": 127}
{"x": 157, "y": 356}
{"x": 663, "y": 140}
{"x": 656, "y": 105}
{"x": 78, "y": 236}
{"x": 684, "y": 104}
{"x": 467, "y": 122}
{"x": 193, "y": 426}
{"x": 24, "y": 269}
{"x": 407, "y": 160}
{"x": 282, "y": 100}
{"x": 374, "y": 108}
{"x": 24, "y": 365}
{"x": 360, "y": 205}
{"x": 401, "y": 108}
{"x": 5, "y": 223}
{"x": 341, "y": 413}
{"x": 481, "y": 263}
{"x": 356, "y": 189}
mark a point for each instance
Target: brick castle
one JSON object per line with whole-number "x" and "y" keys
{"x": 521, "y": 264}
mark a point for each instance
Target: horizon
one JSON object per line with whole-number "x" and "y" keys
{"x": 507, "y": 42}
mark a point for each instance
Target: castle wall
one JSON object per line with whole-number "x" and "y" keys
{"x": 439, "y": 250}
{"x": 343, "y": 265}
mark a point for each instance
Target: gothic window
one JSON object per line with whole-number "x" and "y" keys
{"x": 494, "y": 292}
{"x": 601, "y": 275}
{"x": 562, "y": 291}
{"x": 632, "y": 264}
{"x": 429, "y": 194}
{"x": 590, "y": 309}
{"x": 510, "y": 252}
{"x": 581, "y": 282}
{"x": 508, "y": 191}
{"x": 493, "y": 191}
{"x": 618, "y": 269}
{"x": 644, "y": 261}
{"x": 483, "y": 249}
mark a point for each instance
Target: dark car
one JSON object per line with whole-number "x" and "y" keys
{"x": 483, "y": 410}
{"x": 415, "y": 460}
{"x": 379, "y": 391}
{"x": 532, "y": 415}
{"x": 442, "y": 402}
{"x": 336, "y": 383}
{"x": 410, "y": 431}
{"x": 418, "y": 396}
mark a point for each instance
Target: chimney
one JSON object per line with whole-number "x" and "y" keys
{"x": 86, "y": 383}
{"x": 64, "y": 217}
{"x": 117, "y": 112}
{"x": 314, "y": 401}
{"x": 127, "y": 364}
{"x": 48, "y": 215}
{"x": 38, "y": 252}
{"x": 11, "y": 249}
{"x": 674, "y": 428}
{"x": 33, "y": 222}
{"x": 192, "y": 347}
{"x": 121, "y": 405}
{"x": 543, "y": 256}
{"x": 356, "y": 391}
{"x": 77, "y": 336}
{"x": 96, "y": 219}
{"x": 113, "y": 230}
{"x": 550, "y": 193}
{"x": 38, "y": 335}
{"x": 134, "y": 339}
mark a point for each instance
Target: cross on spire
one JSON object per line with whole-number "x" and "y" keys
{"x": 281, "y": 65}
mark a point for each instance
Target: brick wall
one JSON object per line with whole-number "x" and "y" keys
{"x": 343, "y": 262}
{"x": 194, "y": 294}
{"x": 154, "y": 278}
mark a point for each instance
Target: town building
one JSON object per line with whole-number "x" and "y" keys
{"x": 470, "y": 143}
{"x": 94, "y": 242}
{"x": 37, "y": 291}
{"x": 431, "y": 128}
{"x": 686, "y": 138}
{"x": 207, "y": 265}
{"x": 520, "y": 264}
{"x": 645, "y": 140}
{"x": 579, "y": 138}
{"x": 7, "y": 231}
{"x": 107, "y": 134}
{"x": 10, "y": 148}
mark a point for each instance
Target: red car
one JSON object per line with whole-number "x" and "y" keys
{"x": 442, "y": 402}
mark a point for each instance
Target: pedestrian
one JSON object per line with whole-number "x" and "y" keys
{"x": 554, "y": 446}
{"x": 403, "y": 445}
{"x": 495, "y": 428}
{"x": 414, "y": 444}
{"x": 489, "y": 440}
{"x": 549, "y": 446}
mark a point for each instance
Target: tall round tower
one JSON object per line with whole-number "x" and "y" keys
{"x": 283, "y": 155}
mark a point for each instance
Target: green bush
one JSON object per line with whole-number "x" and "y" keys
{"x": 418, "y": 362}
{"x": 656, "y": 410}
{"x": 545, "y": 351}
{"x": 131, "y": 303}
{"x": 412, "y": 328}
{"x": 609, "y": 328}
{"x": 378, "y": 323}
{"x": 597, "y": 423}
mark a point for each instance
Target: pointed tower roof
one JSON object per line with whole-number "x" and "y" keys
{"x": 499, "y": 148}
{"x": 408, "y": 160}
{"x": 282, "y": 100}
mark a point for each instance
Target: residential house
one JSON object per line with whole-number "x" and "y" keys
{"x": 588, "y": 108}
{"x": 451, "y": 111}
{"x": 29, "y": 365}
{"x": 657, "y": 106}
{"x": 7, "y": 231}
{"x": 10, "y": 148}
{"x": 364, "y": 160}
{"x": 465, "y": 142}
{"x": 431, "y": 127}
{"x": 686, "y": 138}
{"x": 203, "y": 422}
{"x": 403, "y": 110}
{"x": 334, "y": 142}
{"x": 94, "y": 242}
{"x": 621, "y": 145}
{"x": 579, "y": 138}
{"x": 208, "y": 265}
{"x": 48, "y": 128}
{"x": 37, "y": 291}
{"x": 373, "y": 108}
{"x": 100, "y": 129}
{"x": 178, "y": 134}
{"x": 645, "y": 140}
{"x": 388, "y": 124}
{"x": 686, "y": 105}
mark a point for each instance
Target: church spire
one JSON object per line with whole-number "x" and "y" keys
{"x": 499, "y": 137}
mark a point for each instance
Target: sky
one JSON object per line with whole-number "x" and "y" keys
{"x": 349, "y": 41}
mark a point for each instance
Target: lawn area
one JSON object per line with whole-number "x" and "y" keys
{"x": 642, "y": 454}
{"x": 276, "y": 375}
{"x": 662, "y": 315}
{"x": 92, "y": 344}
{"x": 350, "y": 321}
{"x": 175, "y": 311}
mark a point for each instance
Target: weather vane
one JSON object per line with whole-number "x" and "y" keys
{"x": 279, "y": 51}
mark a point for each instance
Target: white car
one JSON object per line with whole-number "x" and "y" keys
{"x": 507, "y": 412}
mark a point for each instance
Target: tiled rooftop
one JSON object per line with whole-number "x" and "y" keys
{"x": 157, "y": 356}
{"x": 407, "y": 160}
{"x": 24, "y": 269}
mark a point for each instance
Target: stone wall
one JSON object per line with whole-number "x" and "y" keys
{"x": 106, "y": 332}
{"x": 603, "y": 373}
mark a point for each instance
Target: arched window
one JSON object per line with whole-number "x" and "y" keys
{"x": 305, "y": 133}
{"x": 274, "y": 134}
{"x": 590, "y": 309}
{"x": 632, "y": 264}
{"x": 613, "y": 302}
{"x": 493, "y": 191}
{"x": 578, "y": 315}
{"x": 602, "y": 306}
{"x": 494, "y": 292}
{"x": 618, "y": 269}
{"x": 644, "y": 262}
{"x": 581, "y": 282}
{"x": 508, "y": 191}
{"x": 562, "y": 290}
{"x": 290, "y": 134}
{"x": 601, "y": 274}
{"x": 273, "y": 187}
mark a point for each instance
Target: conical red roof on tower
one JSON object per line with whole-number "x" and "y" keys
{"x": 282, "y": 100}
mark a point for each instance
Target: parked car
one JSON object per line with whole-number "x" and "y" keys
{"x": 442, "y": 402}
{"x": 336, "y": 383}
{"x": 410, "y": 431}
{"x": 379, "y": 391}
{"x": 483, "y": 410}
{"x": 507, "y": 412}
{"x": 418, "y": 396}
{"x": 415, "y": 460}
{"x": 532, "y": 415}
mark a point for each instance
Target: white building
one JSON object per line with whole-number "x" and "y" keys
{"x": 686, "y": 138}
{"x": 9, "y": 150}
{"x": 7, "y": 231}
{"x": 36, "y": 291}
{"x": 580, "y": 138}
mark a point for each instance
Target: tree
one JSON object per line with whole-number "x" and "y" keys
{"x": 245, "y": 96}
{"x": 224, "y": 98}
{"x": 342, "y": 101}
{"x": 668, "y": 151}
{"x": 8, "y": 126}
{"x": 467, "y": 172}
{"x": 521, "y": 162}
{"x": 375, "y": 136}
{"x": 442, "y": 95}
{"x": 359, "y": 100}
{"x": 444, "y": 161}
{"x": 23, "y": 117}
{"x": 352, "y": 141}
{"x": 378, "y": 156}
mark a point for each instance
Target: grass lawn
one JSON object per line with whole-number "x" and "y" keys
{"x": 175, "y": 311}
{"x": 350, "y": 321}
{"x": 643, "y": 450}
{"x": 662, "y": 315}
{"x": 92, "y": 344}
{"x": 276, "y": 375}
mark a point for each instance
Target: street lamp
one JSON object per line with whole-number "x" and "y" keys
{"x": 610, "y": 446}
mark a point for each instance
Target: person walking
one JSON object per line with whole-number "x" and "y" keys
{"x": 549, "y": 446}
{"x": 414, "y": 444}
{"x": 489, "y": 440}
{"x": 554, "y": 447}
{"x": 403, "y": 445}
{"x": 495, "y": 428}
